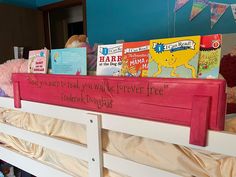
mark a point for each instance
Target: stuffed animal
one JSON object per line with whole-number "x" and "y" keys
{"x": 6, "y": 70}
{"x": 78, "y": 41}
{"x": 75, "y": 41}
{"x": 2, "y": 93}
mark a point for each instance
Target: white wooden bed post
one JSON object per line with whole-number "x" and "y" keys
{"x": 94, "y": 143}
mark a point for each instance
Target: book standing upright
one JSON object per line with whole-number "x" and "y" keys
{"x": 72, "y": 61}
{"x": 210, "y": 56}
{"x": 174, "y": 57}
{"x": 109, "y": 60}
{"x": 38, "y": 61}
{"x": 135, "y": 59}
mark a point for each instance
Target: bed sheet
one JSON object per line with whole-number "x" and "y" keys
{"x": 177, "y": 159}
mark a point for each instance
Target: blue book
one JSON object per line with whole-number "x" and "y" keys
{"x": 71, "y": 61}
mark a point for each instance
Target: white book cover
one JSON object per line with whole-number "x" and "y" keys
{"x": 109, "y": 60}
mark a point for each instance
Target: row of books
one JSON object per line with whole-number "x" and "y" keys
{"x": 62, "y": 61}
{"x": 185, "y": 57}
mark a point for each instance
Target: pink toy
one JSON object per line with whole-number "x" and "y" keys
{"x": 6, "y": 70}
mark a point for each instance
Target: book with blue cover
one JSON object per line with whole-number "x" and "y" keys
{"x": 72, "y": 61}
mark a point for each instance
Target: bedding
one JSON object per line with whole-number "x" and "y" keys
{"x": 6, "y": 70}
{"x": 2, "y": 93}
{"x": 177, "y": 159}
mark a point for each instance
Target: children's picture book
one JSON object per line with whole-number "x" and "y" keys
{"x": 38, "y": 61}
{"x": 174, "y": 57}
{"x": 109, "y": 60}
{"x": 135, "y": 59}
{"x": 210, "y": 56}
{"x": 71, "y": 61}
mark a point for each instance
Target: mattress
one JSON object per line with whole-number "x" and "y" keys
{"x": 170, "y": 157}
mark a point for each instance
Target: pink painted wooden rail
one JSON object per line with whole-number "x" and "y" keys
{"x": 197, "y": 103}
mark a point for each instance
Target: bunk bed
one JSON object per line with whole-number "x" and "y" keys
{"x": 48, "y": 137}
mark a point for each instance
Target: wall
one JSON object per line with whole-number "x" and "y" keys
{"x": 130, "y": 20}
{"x": 22, "y": 27}
{"x": 141, "y": 19}
{"x": 30, "y": 3}
{"x": 201, "y": 25}
{"x": 134, "y": 20}
{"x": 45, "y": 2}
{"x": 22, "y": 3}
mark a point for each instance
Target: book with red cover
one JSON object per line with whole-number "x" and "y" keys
{"x": 210, "y": 55}
{"x": 135, "y": 59}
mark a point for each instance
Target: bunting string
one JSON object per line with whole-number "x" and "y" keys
{"x": 233, "y": 8}
{"x": 217, "y": 9}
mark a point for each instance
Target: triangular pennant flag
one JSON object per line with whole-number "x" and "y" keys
{"x": 217, "y": 10}
{"x": 233, "y": 7}
{"x": 198, "y": 6}
{"x": 179, "y": 4}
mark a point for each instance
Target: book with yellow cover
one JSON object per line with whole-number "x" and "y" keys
{"x": 174, "y": 57}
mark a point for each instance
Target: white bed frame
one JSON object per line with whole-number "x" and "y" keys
{"x": 220, "y": 142}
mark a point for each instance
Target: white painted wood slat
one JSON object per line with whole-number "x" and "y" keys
{"x": 133, "y": 169}
{"x": 74, "y": 150}
{"x": 32, "y": 166}
{"x": 218, "y": 142}
{"x": 94, "y": 143}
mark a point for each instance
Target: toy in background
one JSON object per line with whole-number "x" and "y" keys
{"x": 7, "y": 170}
{"x": 11, "y": 172}
{"x": 174, "y": 57}
{"x": 109, "y": 60}
{"x": 38, "y": 61}
{"x": 2, "y": 93}
{"x": 6, "y": 70}
{"x": 210, "y": 56}
{"x": 92, "y": 60}
{"x": 78, "y": 41}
